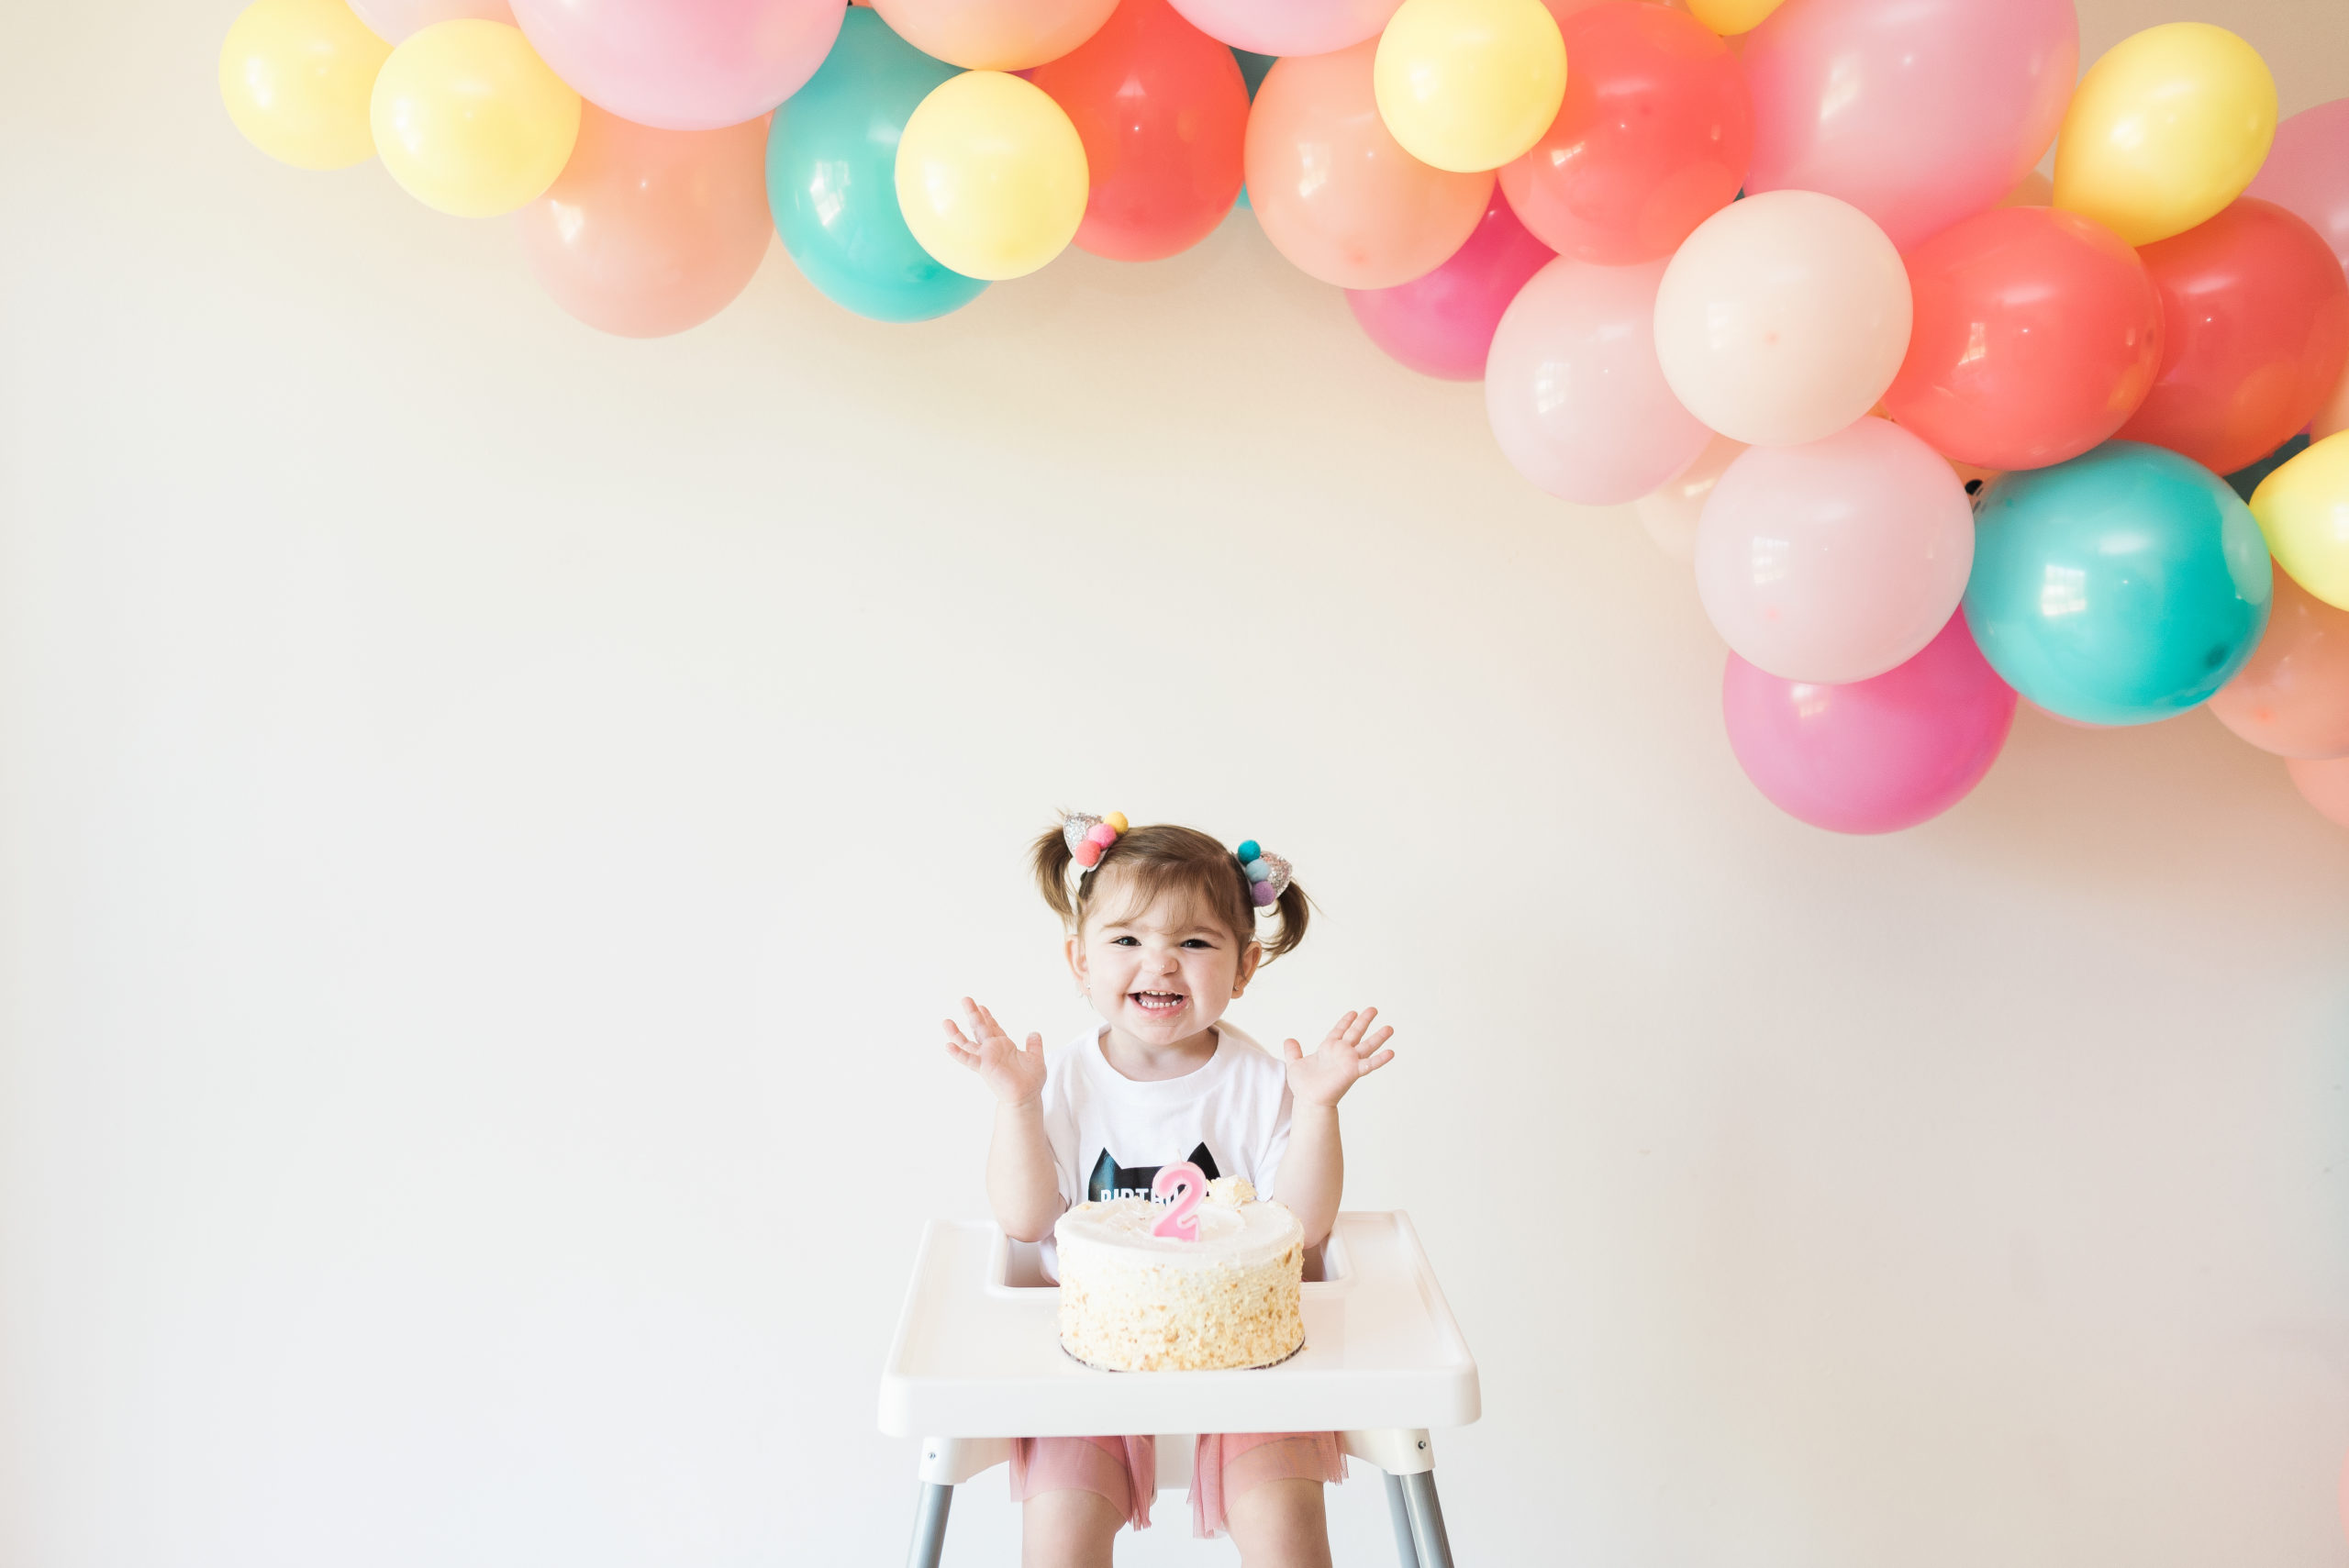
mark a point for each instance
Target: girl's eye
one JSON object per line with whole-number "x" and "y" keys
{"x": 1126, "y": 942}
{"x": 1198, "y": 943}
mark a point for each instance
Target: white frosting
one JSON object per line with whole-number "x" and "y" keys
{"x": 1231, "y": 1236}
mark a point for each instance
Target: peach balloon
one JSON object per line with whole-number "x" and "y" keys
{"x": 995, "y": 34}
{"x": 648, "y": 232}
{"x": 2293, "y": 698}
{"x": 2324, "y": 785}
{"x": 1336, "y": 193}
{"x": 1576, "y": 399}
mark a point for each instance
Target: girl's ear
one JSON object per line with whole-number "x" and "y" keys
{"x": 1075, "y": 949}
{"x": 1250, "y": 957}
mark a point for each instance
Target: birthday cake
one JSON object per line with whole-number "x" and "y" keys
{"x": 1133, "y": 1300}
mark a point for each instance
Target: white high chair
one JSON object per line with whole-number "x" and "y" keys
{"x": 977, "y": 1363}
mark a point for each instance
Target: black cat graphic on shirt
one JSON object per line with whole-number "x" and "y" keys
{"x": 1110, "y": 1180}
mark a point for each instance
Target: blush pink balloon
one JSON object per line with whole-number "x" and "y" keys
{"x": 2292, "y": 698}
{"x": 1441, "y": 325}
{"x": 1575, "y": 394}
{"x": 683, "y": 64}
{"x": 1336, "y": 193}
{"x": 2307, "y": 172}
{"x": 648, "y": 232}
{"x": 394, "y": 20}
{"x": 1837, "y": 560}
{"x": 1289, "y": 27}
{"x": 1871, "y": 756}
{"x": 1919, "y": 114}
{"x": 2325, "y": 786}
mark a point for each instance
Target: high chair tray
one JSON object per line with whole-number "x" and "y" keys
{"x": 978, "y": 1352}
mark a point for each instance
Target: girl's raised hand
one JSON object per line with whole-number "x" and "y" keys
{"x": 1015, "y": 1076}
{"x": 1347, "y": 1052}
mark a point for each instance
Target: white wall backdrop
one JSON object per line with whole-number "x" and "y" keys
{"x": 490, "y": 817}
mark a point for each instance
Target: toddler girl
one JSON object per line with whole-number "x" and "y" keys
{"x": 1161, "y": 925}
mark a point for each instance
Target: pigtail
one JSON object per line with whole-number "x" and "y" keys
{"x": 1052, "y": 858}
{"x": 1295, "y": 909}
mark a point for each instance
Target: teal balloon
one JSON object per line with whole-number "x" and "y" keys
{"x": 832, "y": 177}
{"x": 2121, "y": 587}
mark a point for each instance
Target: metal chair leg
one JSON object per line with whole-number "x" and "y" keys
{"x": 1427, "y": 1520}
{"x": 1400, "y": 1512}
{"x": 930, "y": 1526}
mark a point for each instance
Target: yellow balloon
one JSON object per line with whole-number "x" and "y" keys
{"x": 2303, "y": 508}
{"x": 470, "y": 120}
{"x": 991, "y": 175}
{"x": 1731, "y": 17}
{"x": 1468, "y": 85}
{"x": 2164, "y": 130}
{"x": 295, "y": 75}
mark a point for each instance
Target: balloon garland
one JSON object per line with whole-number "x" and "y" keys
{"x": 1932, "y": 432}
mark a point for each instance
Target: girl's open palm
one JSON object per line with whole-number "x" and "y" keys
{"x": 1013, "y": 1075}
{"x": 1347, "y": 1052}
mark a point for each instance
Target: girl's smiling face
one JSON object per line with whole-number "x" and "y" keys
{"x": 1161, "y": 973}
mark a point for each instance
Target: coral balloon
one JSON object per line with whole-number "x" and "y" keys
{"x": 2307, "y": 173}
{"x": 2325, "y": 786}
{"x": 1163, "y": 111}
{"x": 1469, "y": 84}
{"x": 1652, "y": 138}
{"x": 2256, "y": 335}
{"x": 683, "y": 64}
{"x": 1836, "y": 559}
{"x": 2121, "y": 587}
{"x": 995, "y": 34}
{"x": 1335, "y": 191}
{"x": 648, "y": 232}
{"x": 2303, "y": 510}
{"x": 1919, "y": 114}
{"x": 1871, "y": 756}
{"x": 470, "y": 121}
{"x": 2166, "y": 130}
{"x": 991, "y": 175}
{"x": 1783, "y": 318}
{"x": 295, "y": 77}
{"x": 1575, "y": 397}
{"x": 1442, "y": 324}
{"x": 1289, "y": 27}
{"x": 2037, "y": 334}
{"x": 395, "y": 20}
{"x": 2292, "y": 698}
{"x": 1671, "y": 512}
{"x": 832, "y": 178}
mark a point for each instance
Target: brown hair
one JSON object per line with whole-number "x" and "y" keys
{"x": 1164, "y": 858}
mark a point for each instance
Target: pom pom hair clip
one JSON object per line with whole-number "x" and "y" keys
{"x": 1088, "y": 837}
{"x": 1268, "y": 875}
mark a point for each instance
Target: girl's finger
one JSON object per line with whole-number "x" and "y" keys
{"x": 1375, "y": 1041}
{"x": 1292, "y": 1051}
{"x": 1337, "y": 1029}
{"x": 961, "y": 1055}
{"x": 1036, "y": 1043}
{"x": 1377, "y": 1061}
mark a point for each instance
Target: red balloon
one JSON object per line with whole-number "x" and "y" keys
{"x": 2037, "y": 333}
{"x": 1442, "y": 324}
{"x": 2256, "y": 327}
{"x": 1163, "y": 111}
{"x": 1653, "y": 139}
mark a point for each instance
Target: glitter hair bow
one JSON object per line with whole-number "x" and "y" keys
{"x": 1087, "y": 836}
{"x": 1268, "y": 875}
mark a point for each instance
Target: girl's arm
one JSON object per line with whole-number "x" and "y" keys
{"x": 1023, "y": 1186}
{"x": 1313, "y": 1168}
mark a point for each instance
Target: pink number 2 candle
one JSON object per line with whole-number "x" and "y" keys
{"x": 1180, "y": 1224}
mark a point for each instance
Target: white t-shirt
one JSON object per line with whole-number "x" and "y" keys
{"x": 1110, "y": 1134}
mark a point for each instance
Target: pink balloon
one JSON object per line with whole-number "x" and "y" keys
{"x": 1873, "y": 756}
{"x": 2325, "y": 786}
{"x": 2307, "y": 172}
{"x": 1835, "y": 561}
{"x": 648, "y": 232}
{"x": 1919, "y": 114}
{"x": 1289, "y": 27}
{"x": 394, "y": 20}
{"x": 1577, "y": 400}
{"x": 683, "y": 64}
{"x": 1442, "y": 324}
